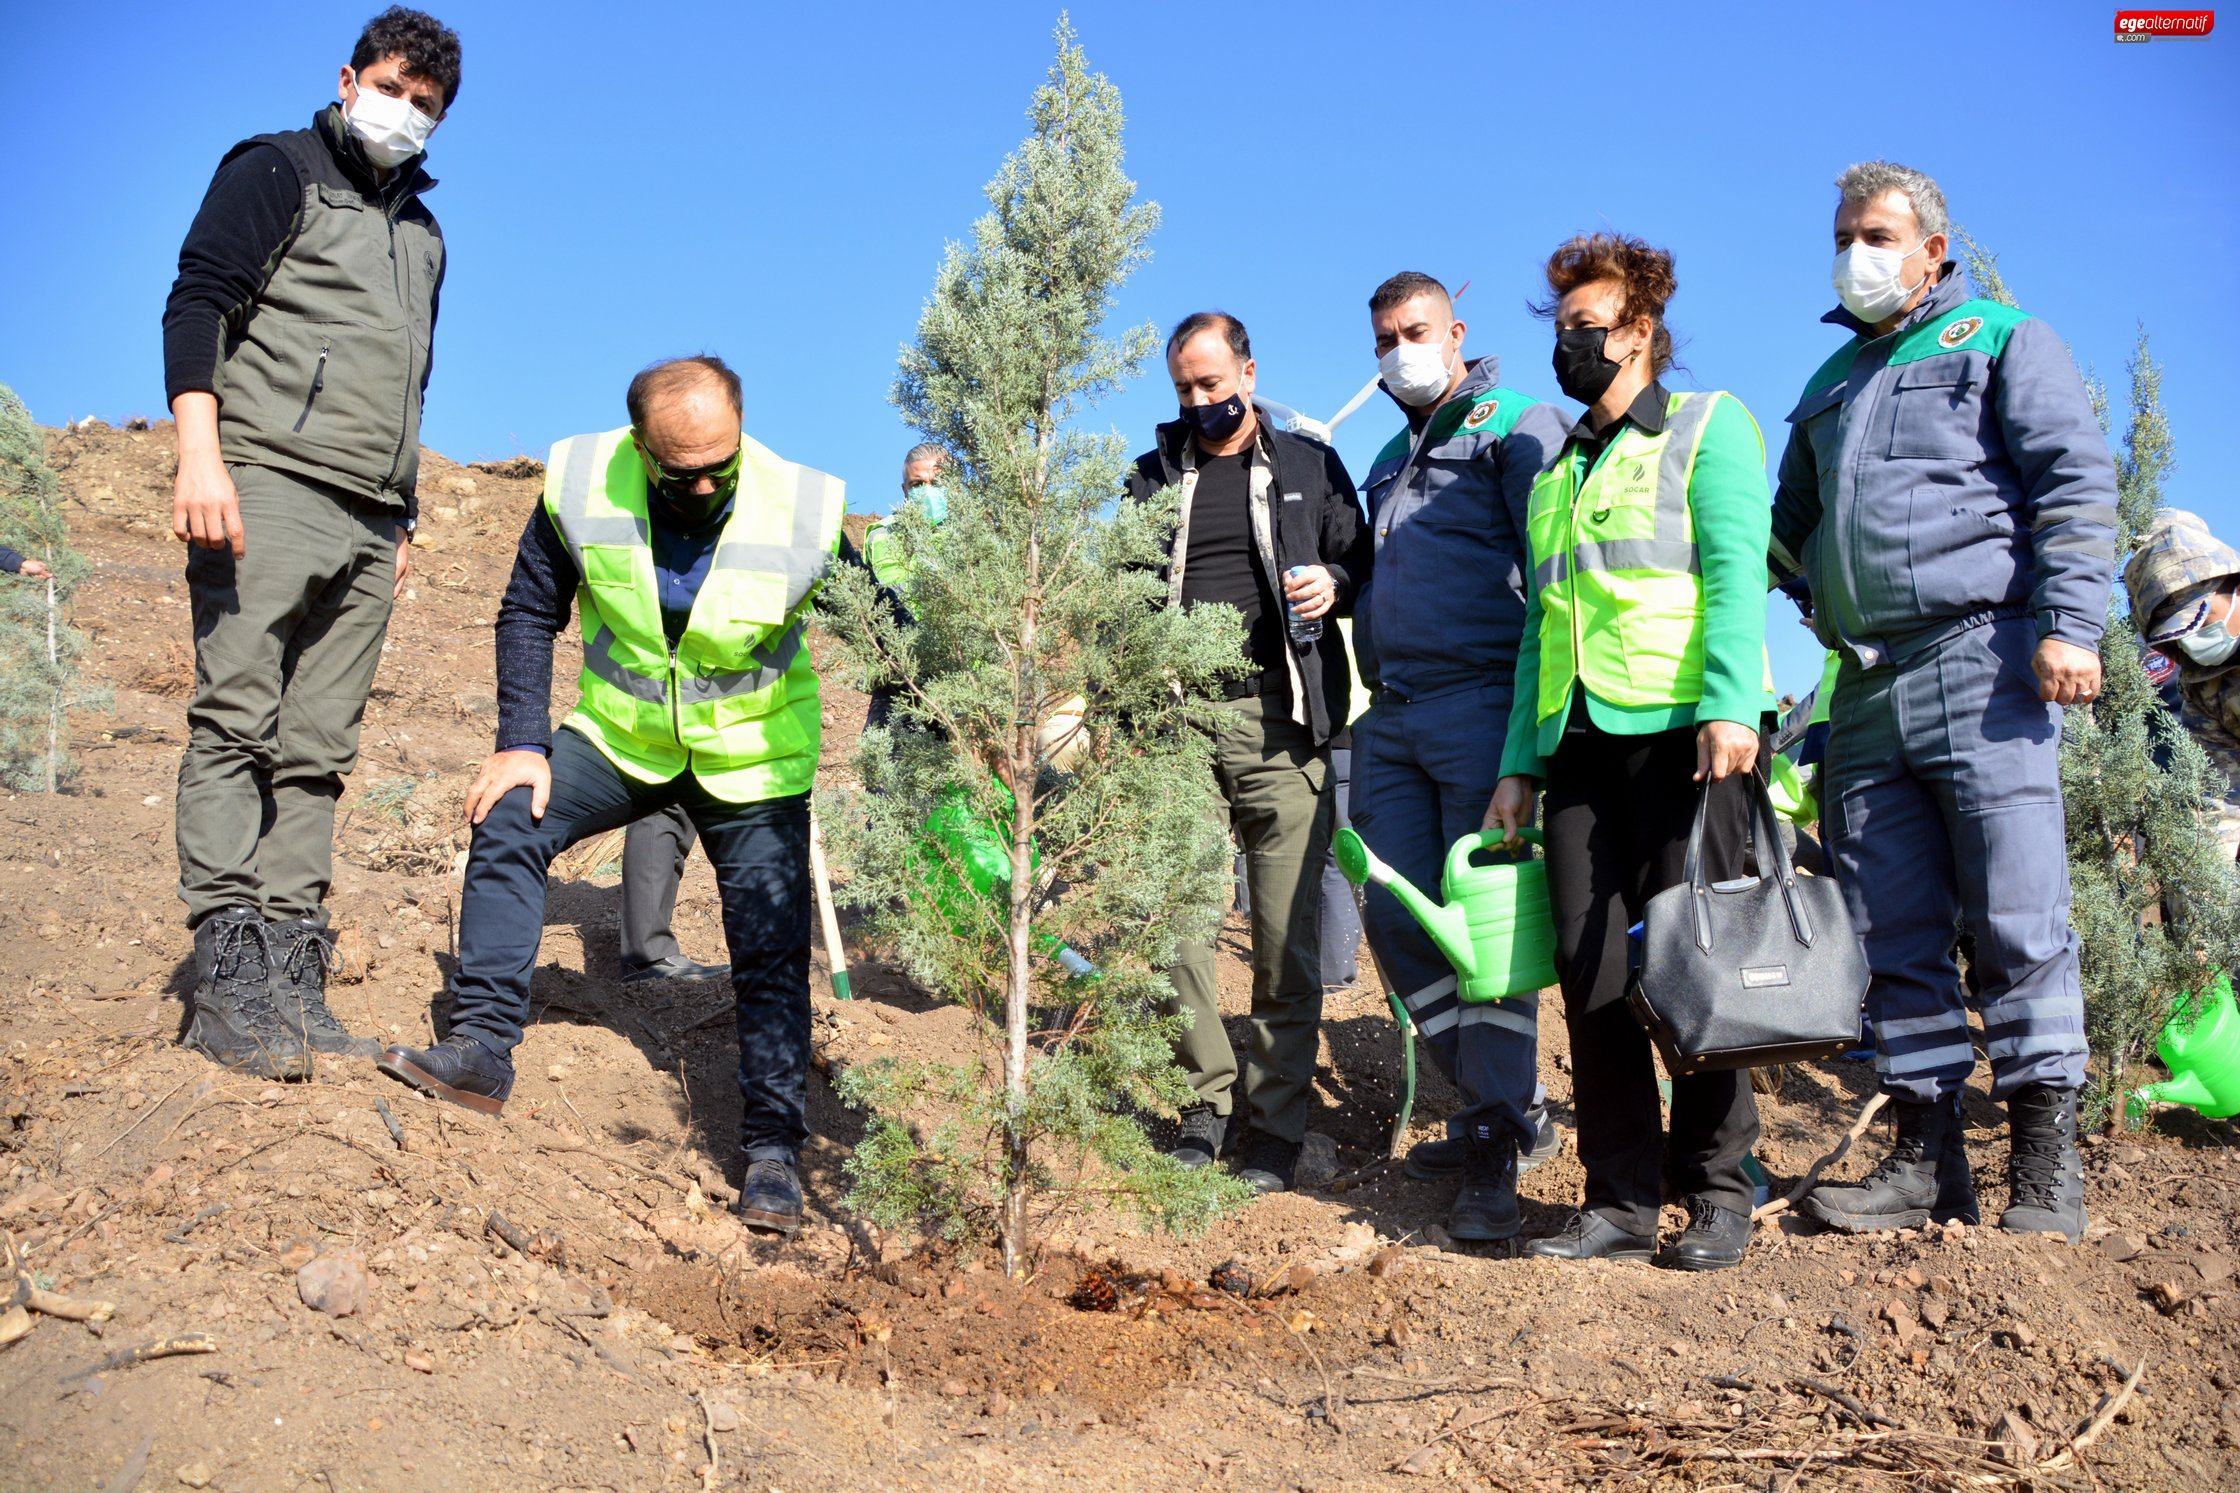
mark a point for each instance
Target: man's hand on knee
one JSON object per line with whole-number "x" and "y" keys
{"x": 504, "y": 772}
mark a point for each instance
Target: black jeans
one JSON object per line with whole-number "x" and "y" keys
{"x": 760, "y": 852}
{"x": 1618, "y": 812}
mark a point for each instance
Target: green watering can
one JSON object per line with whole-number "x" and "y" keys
{"x": 2201, "y": 1048}
{"x": 969, "y": 866}
{"x": 1495, "y": 929}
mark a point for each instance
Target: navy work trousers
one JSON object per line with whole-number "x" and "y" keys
{"x": 1423, "y": 773}
{"x": 1943, "y": 795}
{"x": 760, "y": 852}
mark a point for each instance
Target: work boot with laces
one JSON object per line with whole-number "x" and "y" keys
{"x": 1485, "y": 1207}
{"x": 1202, "y": 1132}
{"x": 2045, "y": 1176}
{"x": 303, "y": 953}
{"x": 1902, "y": 1190}
{"x": 235, "y": 1024}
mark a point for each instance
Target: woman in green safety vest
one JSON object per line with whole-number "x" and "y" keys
{"x": 1641, "y": 675}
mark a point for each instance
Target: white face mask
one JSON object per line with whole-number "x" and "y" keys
{"x": 2209, "y": 644}
{"x": 392, "y": 131}
{"x": 1416, "y": 372}
{"x": 1871, "y": 282}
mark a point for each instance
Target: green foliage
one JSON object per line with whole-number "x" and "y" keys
{"x": 2154, "y": 898}
{"x": 1039, "y": 587}
{"x": 390, "y": 795}
{"x": 39, "y": 650}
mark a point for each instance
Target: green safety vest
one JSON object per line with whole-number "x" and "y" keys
{"x": 1615, "y": 564}
{"x": 735, "y": 699}
{"x": 882, "y": 551}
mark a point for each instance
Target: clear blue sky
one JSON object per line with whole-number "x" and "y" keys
{"x": 775, "y": 183}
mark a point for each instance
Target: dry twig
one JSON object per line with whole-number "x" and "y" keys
{"x": 162, "y": 1347}
{"x": 1812, "y": 1175}
{"x": 2090, "y": 1432}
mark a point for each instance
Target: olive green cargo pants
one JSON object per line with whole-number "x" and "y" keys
{"x": 286, "y": 641}
{"x": 1269, "y": 780}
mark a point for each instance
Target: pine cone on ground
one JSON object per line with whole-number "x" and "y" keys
{"x": 1231, "y": 1277}
{"x": 1094, "y": 1293}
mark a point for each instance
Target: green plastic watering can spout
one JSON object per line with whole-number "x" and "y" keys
{"x": 2182, "y": 1088}
{"x": 1448, "y": 927}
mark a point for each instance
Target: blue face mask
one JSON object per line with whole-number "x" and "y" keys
{"x": 930, "y": 498}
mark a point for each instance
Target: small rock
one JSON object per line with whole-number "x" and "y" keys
{"x": 998, "y": 1404}
{"x": 1389, "y": 1261}
{"x": 952, "y": 1288}
{"x": 418, "y": 1362}
{"x": 2214, "y": 1269}
{"x": 954, "y": 1389}
{"x": 2018, "y": 1443}
{"x": 724, "y": 1417}
{"x": 297, "y": 1253}
{"x": 194, "y": 1474}
{"x": 334, "y": 1284}
{"x": 1936, "y": 1312}
{"x": 1847, "y": 1277}
{"x": 1298, "y": 1278}
{"x": 2169, "y": 1296}
{"x": 1438, "y": 1238}
{"x": 2123, "y": 1246}
{"x": 1318, "y": 1162}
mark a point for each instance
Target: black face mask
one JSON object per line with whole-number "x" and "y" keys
{"x": 1582, "y": 372}
{"x": 1216, "y": 422}
{"x": 695, "y": 510}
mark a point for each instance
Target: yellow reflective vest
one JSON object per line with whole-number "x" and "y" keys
{"x": 734, "y": 700}
{"x": 1619, "y": 581}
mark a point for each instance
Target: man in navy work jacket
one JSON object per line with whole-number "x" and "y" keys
{"x": 1948, "y": 493}
{"x": 1436, "y": 634}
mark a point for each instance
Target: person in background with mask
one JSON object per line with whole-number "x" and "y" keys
{"x": 2183, "y": 582}
{"x": 1642, "y": 691}
{"x": 694, "y": 554}
{"x": 924, "y": 469}
{"x": 1948, "y": 495}
{"x": 296, "y": 349}
{"x": 1269, "y": 525}
{"x": 1436, "y": 635}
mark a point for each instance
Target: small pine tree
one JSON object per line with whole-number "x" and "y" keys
{"x": 1039, "y": 586}
{"x": 2154, "y": 897}
{"x": 39, "y": 650}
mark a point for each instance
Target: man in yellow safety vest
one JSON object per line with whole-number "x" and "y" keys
{"x": 692, "y": 553}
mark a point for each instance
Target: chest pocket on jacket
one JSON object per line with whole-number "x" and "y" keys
{"x": 1938, "y": 410}
{"x": 610, "y": 570}
{"x": 1458, "y": 484}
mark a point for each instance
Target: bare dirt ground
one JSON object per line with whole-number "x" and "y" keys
{"x": 631, "y": 1336}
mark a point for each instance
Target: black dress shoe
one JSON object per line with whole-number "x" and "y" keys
{"x": 770, "y": 1198}
{"x": 458, "y": 1068}
{"x": 1716, "y": 1237}
{"x": 1590, "y": 1236}
{"x": 675, "y": 967}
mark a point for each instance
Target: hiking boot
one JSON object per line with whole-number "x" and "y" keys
{"x": 1902, "y": 1189}
{"x": 1442, "y": 1160}
{"x": 1587, "y": 1235}
{"x": 770, "y": 1197}
{"x": 1716, "y": 1237}
{"x": 2045, "y": 1177}
{"x": 1202, "y": 1134}
{"x": 235, "y": 1024}
{"x": 1485, "y": 1208}
{"x": 1268, "y": 1161}
{"x": 458, "y": 1068}
{"x": 303, "y": 953}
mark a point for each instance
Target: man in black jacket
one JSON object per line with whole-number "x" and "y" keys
{"x": 1269, "y": 524}
{"x": 296, "y": 351}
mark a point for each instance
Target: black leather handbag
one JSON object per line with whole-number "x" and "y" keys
{"x": 1745, "y": 974}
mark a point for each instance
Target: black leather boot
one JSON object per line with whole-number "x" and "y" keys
{"x": 1716, "y": 1237}
{"x": 1202, "y": 1134}
{"x": 770, "y": 1197}
{"x": 2045, "y": 1176}
{"x": 1486, "y": 1207}
{"x": 303, "y": 956}
{"x": 1587, "y": 1235}
{"x": 235, "y": 1023}
{"x": 1902, "y": 1189}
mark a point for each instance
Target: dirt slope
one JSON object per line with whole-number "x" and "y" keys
{"x": 634, "y": 1327}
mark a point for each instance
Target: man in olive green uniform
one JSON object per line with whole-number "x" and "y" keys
{"x": 296, "y": 346}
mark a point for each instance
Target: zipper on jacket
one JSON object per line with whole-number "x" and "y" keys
{"x": 318, "y": 382}
{"x": 676, "y": 706}
{"x": 404, "y": 406}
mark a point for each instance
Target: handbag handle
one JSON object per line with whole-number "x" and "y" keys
{"x": 1769, "y": 842}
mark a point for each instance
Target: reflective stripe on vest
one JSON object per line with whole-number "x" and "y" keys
{"x": 1617, "y": 571}
{"x": 734, "y": 698}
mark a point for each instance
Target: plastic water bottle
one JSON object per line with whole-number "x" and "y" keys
{"x": 1303, "y": 629}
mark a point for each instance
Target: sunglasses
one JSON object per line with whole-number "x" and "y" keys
{"x": 721, "y": 473}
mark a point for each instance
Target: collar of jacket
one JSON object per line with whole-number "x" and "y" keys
{"x": 1647, "y": 411}
{"x": 1477, "y": 373}
{"x": 349, "y": 152}
{"x": 1949, "y": 291}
